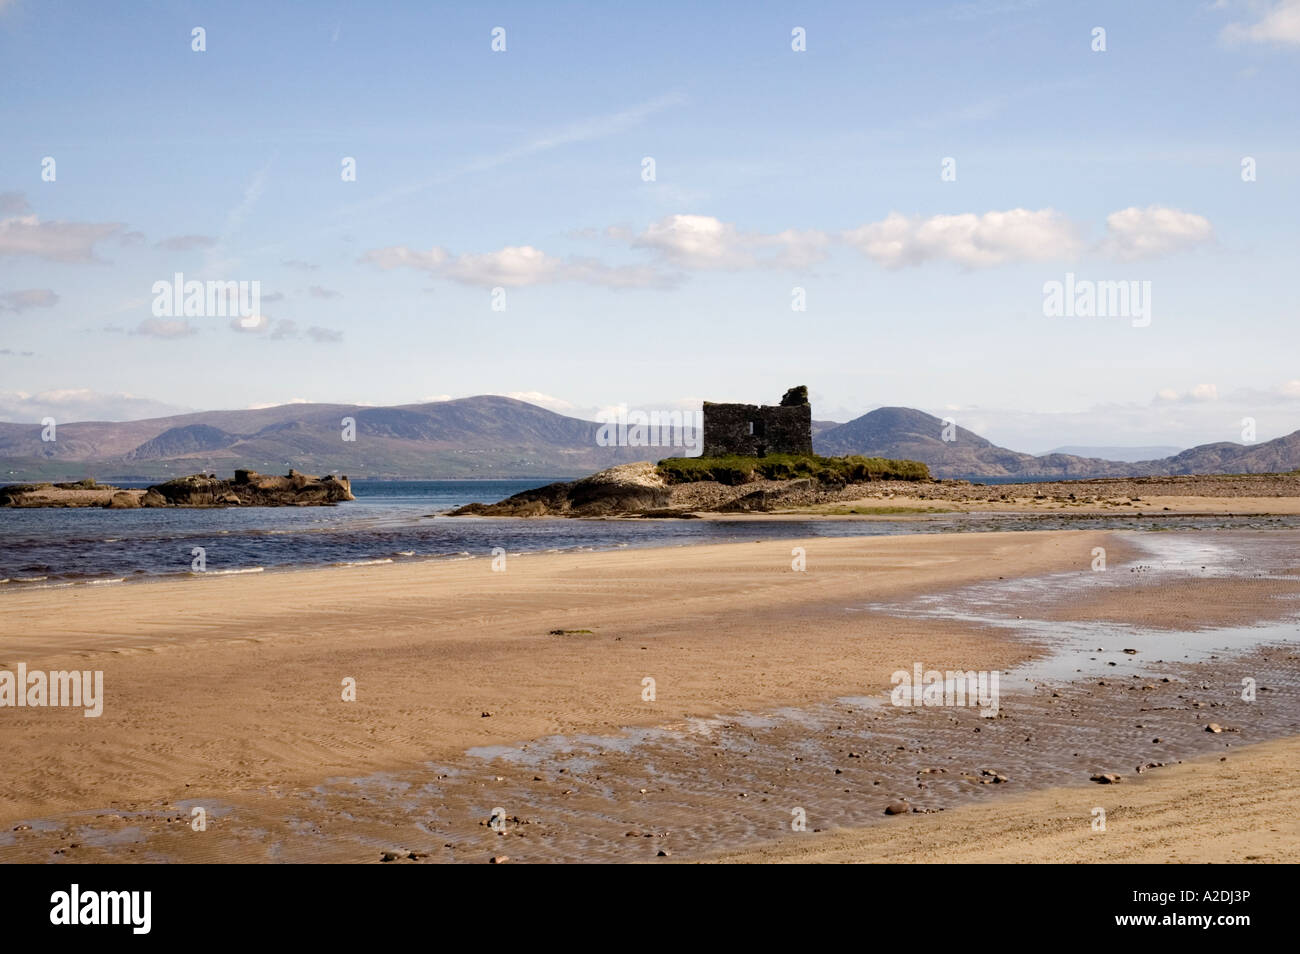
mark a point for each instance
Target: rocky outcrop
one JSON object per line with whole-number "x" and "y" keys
{"x": 788, "y": 493}
{"x": 83, "y": 493}
{"x": 251, "y": 489}
{"x": 627, "y": 488}
{"x": 641, "y": 490}
{"x": 248, "y": 489}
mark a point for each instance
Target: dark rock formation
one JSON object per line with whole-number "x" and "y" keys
{"x": 754, "y": 430}
{"x": 248, "y": 489}
{"x": 628, "y": 488}
{"x": 251, "y": 489}
{"x": 791, "y": 493}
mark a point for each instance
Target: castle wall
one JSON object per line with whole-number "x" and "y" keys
{"x": 756, "y": 430}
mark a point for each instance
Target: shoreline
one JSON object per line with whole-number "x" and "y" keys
{"x": 970, "y": 521}
{"x": 227, "y": 695}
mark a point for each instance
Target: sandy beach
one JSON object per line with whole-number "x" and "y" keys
{"x": 477, "y": 689}
{"x": 1178, "y": 816}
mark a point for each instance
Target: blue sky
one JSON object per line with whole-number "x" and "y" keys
{"x": 774, "y": 169}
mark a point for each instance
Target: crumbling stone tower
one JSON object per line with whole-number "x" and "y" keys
{"x": 756, "y": 430}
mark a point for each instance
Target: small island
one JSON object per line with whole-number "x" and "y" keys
{"x": 685, "y": 486}
{"x": 247, "y": 489}
{"x": 756, "y": 458}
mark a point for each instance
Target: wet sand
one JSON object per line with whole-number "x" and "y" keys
{"x": 771, "y": 695}
{"x": 1230, "y": 809}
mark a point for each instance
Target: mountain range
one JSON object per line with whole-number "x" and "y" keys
{"x": 902, "y": 432}
{"x": 490, "y": 436}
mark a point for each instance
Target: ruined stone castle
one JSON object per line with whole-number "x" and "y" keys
{"x": 756, "y": 430}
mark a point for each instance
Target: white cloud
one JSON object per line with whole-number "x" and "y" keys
{"x": 28, "y": 298}
{"x": 1205, "y": 392}
{"x": 165, "y": 328}
{"x": 1135, "y": 233}
{"x": 547, "y": 401}
{"x": 72, "y": 242}
{"x": 285, "y": 329}
{"x": 81, "y": 404}
{"x": 704, "y": 242}
{"x": 185, "y": 243}
{"x": 513, "y": 266}
{"x": 994, "y": 238}
{"x": 1198, "y": 394}
{"x": 1279, "y": 25}
{"x": 254, "y": 324}
{"x": 263, "y": 407}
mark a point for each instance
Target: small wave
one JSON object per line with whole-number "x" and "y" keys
{"x": 363, "y": 562}
{"x": 250, "y": 569}
{"x": 30, "y": 579}
{"x": 406, "y": 553}
{"x": 120, "y": 579}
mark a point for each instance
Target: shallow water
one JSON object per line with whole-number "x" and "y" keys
{"x": 394, "y": 522}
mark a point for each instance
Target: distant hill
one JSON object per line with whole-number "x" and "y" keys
{"x": 490, "y": 436}
{"x": 1119, "y": 453}
{"x": 901, "y": 432}
{"x": 183, "y": 442}
{"x": 820, "y": 427}
{"x": 484, "y": 436}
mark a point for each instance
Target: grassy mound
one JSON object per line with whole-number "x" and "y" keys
{"x": 734, "y": 469}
